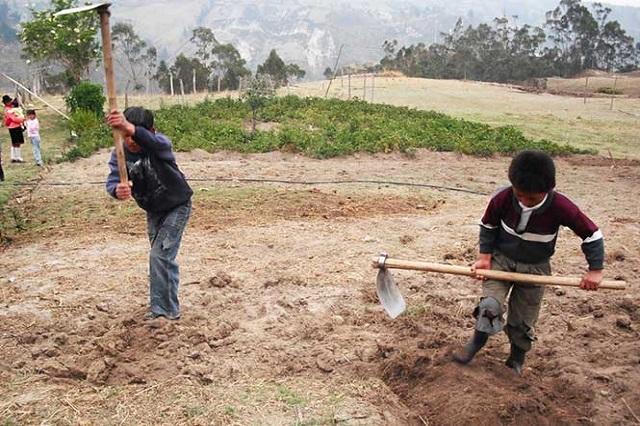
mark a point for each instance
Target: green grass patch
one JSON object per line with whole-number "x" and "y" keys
{"x": 289, "y": 396}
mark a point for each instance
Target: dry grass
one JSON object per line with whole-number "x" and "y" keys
{"x": 626, "y": 84}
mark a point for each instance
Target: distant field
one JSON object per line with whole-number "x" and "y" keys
{"x": 595, "y": 83}
{"x": 562, "y": 119}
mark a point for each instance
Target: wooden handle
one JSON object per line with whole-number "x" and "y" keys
{"x": 107, "y": 55}
{"x": 496, "y": 275}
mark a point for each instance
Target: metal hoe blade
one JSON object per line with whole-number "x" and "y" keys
{"x": 389, "y": 294}
{"x": 82, "y": 9}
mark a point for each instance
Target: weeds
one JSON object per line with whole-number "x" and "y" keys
{"x": 288, "y": 396}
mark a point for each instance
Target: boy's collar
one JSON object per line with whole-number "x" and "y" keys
{"x": 540, "y": 208}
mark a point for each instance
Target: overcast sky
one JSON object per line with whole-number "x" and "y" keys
{"x": 623, "y": 2}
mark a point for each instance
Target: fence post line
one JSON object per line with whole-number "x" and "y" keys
{"x": 613, "y": 94}
{"x": 586, "y": 84}
{"x": 373, "y": 86}
{"x": 364, "y": 87}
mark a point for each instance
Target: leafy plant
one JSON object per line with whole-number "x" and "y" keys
{"x": 68, "y": 40}
{"x": 259, "y": 91}
{"x": 86, "y": 96}
{"x": 90, "y": 133}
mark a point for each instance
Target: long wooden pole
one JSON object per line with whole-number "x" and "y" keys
{"x": 496, "y": 275}
{"x": 107, "y": 56}
{"x": 17, "y": 83}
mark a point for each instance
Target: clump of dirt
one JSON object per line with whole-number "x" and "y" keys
{"x": 127, "y": 350}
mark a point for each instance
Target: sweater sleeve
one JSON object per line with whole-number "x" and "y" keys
{"x": 156, "y": 143}
{"x": 489, "y": 226}
{"x": 114, "y": 178}
{"x": 592, "y": 238}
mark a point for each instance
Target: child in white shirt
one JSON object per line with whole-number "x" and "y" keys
{"x": 33, "y": 131}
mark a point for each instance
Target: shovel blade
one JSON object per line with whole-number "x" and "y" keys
{"x": 389, "y": 294}
{"x": 82, "y": 9}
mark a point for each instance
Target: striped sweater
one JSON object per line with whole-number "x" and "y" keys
{"x": 530, "y": 236}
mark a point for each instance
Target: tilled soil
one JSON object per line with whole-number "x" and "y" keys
{"x": 281, "y": 324}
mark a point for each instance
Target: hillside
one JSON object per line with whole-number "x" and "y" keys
{"x": 310, "y": 33}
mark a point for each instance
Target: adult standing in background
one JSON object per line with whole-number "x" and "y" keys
{"x": 14, "y": 120}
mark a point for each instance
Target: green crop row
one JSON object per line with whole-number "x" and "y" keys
{"x": 324, "y": 128}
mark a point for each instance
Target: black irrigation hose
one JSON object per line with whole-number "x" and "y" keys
{"x": 282, "y": 181}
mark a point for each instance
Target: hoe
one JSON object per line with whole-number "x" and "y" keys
{"x": 393, "y": 302}
{"x": 105, "y": 30}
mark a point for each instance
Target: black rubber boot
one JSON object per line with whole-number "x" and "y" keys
{"x": 468, "y": 351}
{"x": 516, "y": 359}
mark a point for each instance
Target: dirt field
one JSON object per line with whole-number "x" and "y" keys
{"x": 280, "y": 320}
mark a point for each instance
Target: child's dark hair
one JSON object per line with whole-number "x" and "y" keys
{"x": 139, "y": 116}
{"x": 31, "y": 112}
{"x": 532, "y": 171}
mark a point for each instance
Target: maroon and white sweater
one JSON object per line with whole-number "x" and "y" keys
{"x": 530, "y": 237}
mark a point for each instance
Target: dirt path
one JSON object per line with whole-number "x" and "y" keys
{"x": 280, "y": 320}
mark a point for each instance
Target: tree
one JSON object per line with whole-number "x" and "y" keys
{"x": 205, "y": 41}
{"x": 616, "y": 50}
{"x": 260, "y": 89}
{"x": 294, "y": 72}
{"x": 389, "y": 48}
{"x": 574, "y": 31}
{"x": 149, "y": 61}
{"x": 328, "y": 73}
{"x": 68, "y": 40}
{"x": 229, "y": 65}
{"x": 274, "y": 67}
{"x": 162, "y": 76}
{"x": 183, "y": 69}
{"x": 502, "y": 51}
{"x": 132, "y": 47}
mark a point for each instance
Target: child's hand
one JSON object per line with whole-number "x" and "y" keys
{"x": 117, "y": 120}
{"x": 591, "y": 280}
{"x": 123, "y": 191}
{"x": 483, "y": 262}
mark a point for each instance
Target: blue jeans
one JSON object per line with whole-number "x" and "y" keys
{"x": 35, "y": 145}
{"x": 165, "y": 233}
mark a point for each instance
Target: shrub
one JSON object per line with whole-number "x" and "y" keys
{"x": 86, "y": 96}
{"x": 91, "y": 134}
{"x": 609, "y": 91}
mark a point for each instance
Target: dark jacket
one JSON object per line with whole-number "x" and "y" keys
{"x": 537, "y": 241}
{"x": 158, "y": 183}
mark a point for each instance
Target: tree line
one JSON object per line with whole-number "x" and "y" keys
{"x": 66, "y": 48}
{"x": 574, "y": 38}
